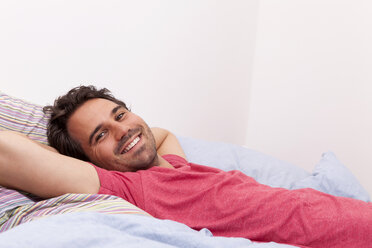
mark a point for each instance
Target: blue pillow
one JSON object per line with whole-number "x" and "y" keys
{"x": 332, "y": 177}
{"x": 329, "y": 176}
{"x": 263, "y": 168}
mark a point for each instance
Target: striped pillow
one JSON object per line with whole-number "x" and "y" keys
{"x": 67, "y": 203}
{"x": 9, "y": 200}
{"x": 24, "y": 117}
{"x": 27, "y": 118}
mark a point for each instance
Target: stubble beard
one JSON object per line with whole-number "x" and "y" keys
{"x": 146, "y": 156}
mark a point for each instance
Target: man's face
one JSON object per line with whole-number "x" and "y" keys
{"x": 113, "y": 137}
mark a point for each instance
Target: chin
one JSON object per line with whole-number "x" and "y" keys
{"x": 146, "y": 163}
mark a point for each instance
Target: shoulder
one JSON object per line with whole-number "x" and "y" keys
{"x": 167, "y": 142}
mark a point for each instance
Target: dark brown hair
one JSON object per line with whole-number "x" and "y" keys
{"x": 64, "y": 106}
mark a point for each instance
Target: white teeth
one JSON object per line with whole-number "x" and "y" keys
{"x": 133, "y": 143}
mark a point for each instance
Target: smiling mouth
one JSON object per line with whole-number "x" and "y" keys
{"x": 131, "y": 145}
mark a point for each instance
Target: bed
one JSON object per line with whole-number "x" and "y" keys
{"x": 86, "y": 220}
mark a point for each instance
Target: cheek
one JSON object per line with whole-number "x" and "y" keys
{"x": 102, "y": 153}
{"x": 135, "y": 119}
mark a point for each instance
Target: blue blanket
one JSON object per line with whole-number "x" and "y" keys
{"x": 125, "y": 230}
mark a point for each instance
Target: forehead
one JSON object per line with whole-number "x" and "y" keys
{"x": 88, "y": 116}
{"x": 98, "y": 102}
{"x": 95, "y": 109}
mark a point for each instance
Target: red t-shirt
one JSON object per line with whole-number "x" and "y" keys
{"x": 232, "y": 204}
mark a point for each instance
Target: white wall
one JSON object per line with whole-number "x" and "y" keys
{"x": 312, "y": 83}
{"x": 183, "y": 65}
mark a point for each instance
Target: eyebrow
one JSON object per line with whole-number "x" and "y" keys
{"x": 113, "y": 111}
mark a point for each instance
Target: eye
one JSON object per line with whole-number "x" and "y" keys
{"x": 119, "y": 116}
{"x": 100, "y": 135}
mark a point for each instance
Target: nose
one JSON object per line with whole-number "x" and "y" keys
{"x": 119, "y": 130}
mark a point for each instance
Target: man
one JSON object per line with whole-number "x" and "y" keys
{"x": 148, "y": 168}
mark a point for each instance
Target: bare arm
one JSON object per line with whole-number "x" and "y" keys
{"x": 167, "y": 143}
{"x": 28, "y": 166}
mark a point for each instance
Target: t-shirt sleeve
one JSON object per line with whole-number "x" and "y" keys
{"x": 126, "y": 185}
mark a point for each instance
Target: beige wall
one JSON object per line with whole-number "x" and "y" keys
{"x": 312, "y": 83}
